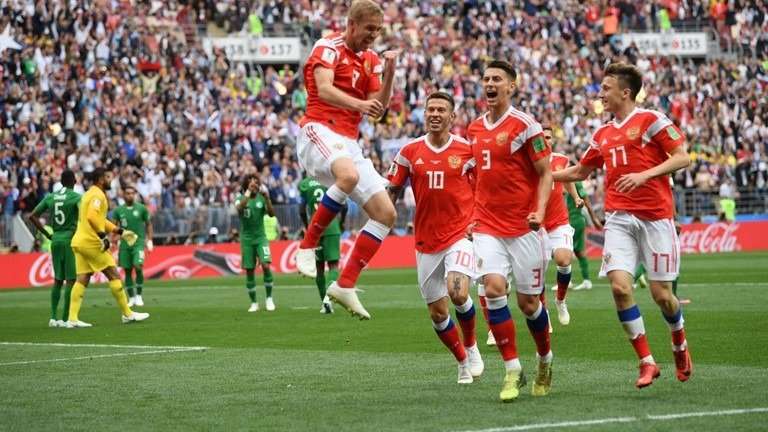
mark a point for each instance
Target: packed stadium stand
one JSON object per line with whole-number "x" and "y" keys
{"x": 144, "y": 89}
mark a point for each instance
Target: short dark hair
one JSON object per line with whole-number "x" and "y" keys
{"x": 442, "y": 95}
{"x": 97, "y": 174}
{"x": 505, "y": 66}
{"x": 627, "y": 75}
{"x": 68, "y": 178}
{"x": 130, "y": 186}
{"x": 547, "y": 126}
{"x": 247, "y": 180}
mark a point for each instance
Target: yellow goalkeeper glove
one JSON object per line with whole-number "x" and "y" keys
{"x": 130, "y": 237}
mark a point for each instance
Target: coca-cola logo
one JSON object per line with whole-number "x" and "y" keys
{"x": 716, "y": 237}
{"x": 41, "y": 272}
{"x": 233, "y": 262}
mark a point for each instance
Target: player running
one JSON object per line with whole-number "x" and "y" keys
{"x": 62, "y": 215}
{"x": 329, "y": 252}
{"x": 133, "y": 216}
{"x": 92, "y": 250}
{"x": 514, "y": 182}
{"x": 251, "y": 207}
{"x": 344, "y": 81}
{"x": 437, "y": 165}
{"x": 639, "y": 149}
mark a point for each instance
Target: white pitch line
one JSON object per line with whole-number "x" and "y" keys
{"x": 660, "y": 417}
{"x": 67, "y": 345}
{"x": 103, "y": 356}
{"x": 707, "y": 413}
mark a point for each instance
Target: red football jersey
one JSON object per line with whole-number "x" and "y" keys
{"x": 356, "y": 74}
{"x": 642, "y": 141}
{"x": 507, "y": 182}
{"x": 441, "y": 183}
{"x": 557, "y": 212}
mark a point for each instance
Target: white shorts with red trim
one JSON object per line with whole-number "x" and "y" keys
{"x": 433, "y": 268}
{"x": 318, "y": 147}
{"x": 525, "y": 257}
{"x": 561, "y": 237}
{"x": 630, "y": 241}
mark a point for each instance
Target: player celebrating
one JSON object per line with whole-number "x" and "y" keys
{"x": 312, "y": 192}
{"x": 513, "y": 185}
{"x": 437, "y": 166}
{"x": 343, "y": 77}
{"x": 62, "y": 212}
{"x": 133, "y": 216}
{"x": 639, "y": 149}
{"x": 91, "y": 247}
{"x": 559, "y": 231}
{"x": 251, "y": 206}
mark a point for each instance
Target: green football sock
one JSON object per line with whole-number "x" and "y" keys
{"x": 268, "y": 279}
{"x": 320, "y": 281}
{"x": 333, "y": 275}
{"x": 584, "y": 266}
{"x": 55, "y": 296}
{"x": 129, "y": 282}
{"x": 67, "y": 296}
{"x": 250, "y": 284}
{"x": 139, "y": 280}
{"x": 639, "y": 271}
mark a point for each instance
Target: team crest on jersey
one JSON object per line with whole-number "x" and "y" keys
{"x": 606, "y": 258}
{"x": 454, "y": 161}
{"x": 339, "y": 146}
{"x": 136, "y": 213}
{"x": 258, "y": 204}
{"x": 479, "y": 263}
{"x": 367, "y": 67}
{"x": 633, "y": 133}
{"x": 501, "y": 138}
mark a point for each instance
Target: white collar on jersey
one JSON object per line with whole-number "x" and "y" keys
{"x": 626, "y": 119}
{"x": 435, "y": 149}
{"x": 498, "y": 121}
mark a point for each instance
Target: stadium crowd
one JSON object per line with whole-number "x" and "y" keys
{"x": 120, "y": 84}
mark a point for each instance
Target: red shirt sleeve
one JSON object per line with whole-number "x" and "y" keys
{"x": 537, "y": 148}
{"x": 669, "y": 138}
{"x": 324, "y": 56}
{"x": 592, "y": 157}
{"x": 400, "y": 170}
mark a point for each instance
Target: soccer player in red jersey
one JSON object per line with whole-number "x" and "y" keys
{"x": 559, "y": 231}
{"x": 345, "y": 79}
{"x": 513, "y": 185}
{"x": 439, "y": 165}
{"x": 639, "y": 149}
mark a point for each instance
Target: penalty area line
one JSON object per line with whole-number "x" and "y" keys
{"x": 659, "y": 417}
{"x": 152, "y": 349}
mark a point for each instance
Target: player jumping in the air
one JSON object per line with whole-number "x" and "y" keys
{"x": 438, "y": 166}
{"x": 344, "y": 81}
{"x": 639, "y": 149}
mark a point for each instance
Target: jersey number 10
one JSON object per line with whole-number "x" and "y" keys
{"x": 436, "y": 179}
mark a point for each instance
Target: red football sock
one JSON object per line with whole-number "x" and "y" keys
{"x": 562, "y": 289}
{"x": 483, "y": 306}
{"x": 320, "y": 221}
{"x": 365, "y": 248}
{"x": 450, "y": 338}
{"x": 467, "y": 329}
{"x": 504, "y": 333}
{"x": 678, "y": 337}
{"x": 640, "y": 344}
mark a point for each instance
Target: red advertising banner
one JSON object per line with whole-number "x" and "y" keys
{"x": 183, "y": 262}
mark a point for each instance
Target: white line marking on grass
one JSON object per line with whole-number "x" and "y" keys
{"x": 660, "y": 417}
{"x": 708, "y": 413}
{"x": 154, "y": 350}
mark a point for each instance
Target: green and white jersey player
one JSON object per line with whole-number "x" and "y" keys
{"x": 329, "y": 248}
{"x": 251, "y": 206}
{"x": 62, "y": 207}
{"x": 133, "y": 216}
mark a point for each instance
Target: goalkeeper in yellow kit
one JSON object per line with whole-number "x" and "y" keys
{"x": 91, "y": 247}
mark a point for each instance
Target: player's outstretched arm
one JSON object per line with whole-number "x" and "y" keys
{"x": 34, "y": 218}
{"x": 394, "y": 193}
{"x": 573, "y": 173}
{"x": 150, "y": 233}
{"x": 570, "y": 187}
{"x": 595, "y": 220}
{"x": 332, "y": 95}
{"x": 678, "y": 159}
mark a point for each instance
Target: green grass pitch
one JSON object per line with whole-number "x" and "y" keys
{"x": 295, "y": 369}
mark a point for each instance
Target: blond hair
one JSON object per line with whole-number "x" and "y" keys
{"x": 361, "y": 9}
